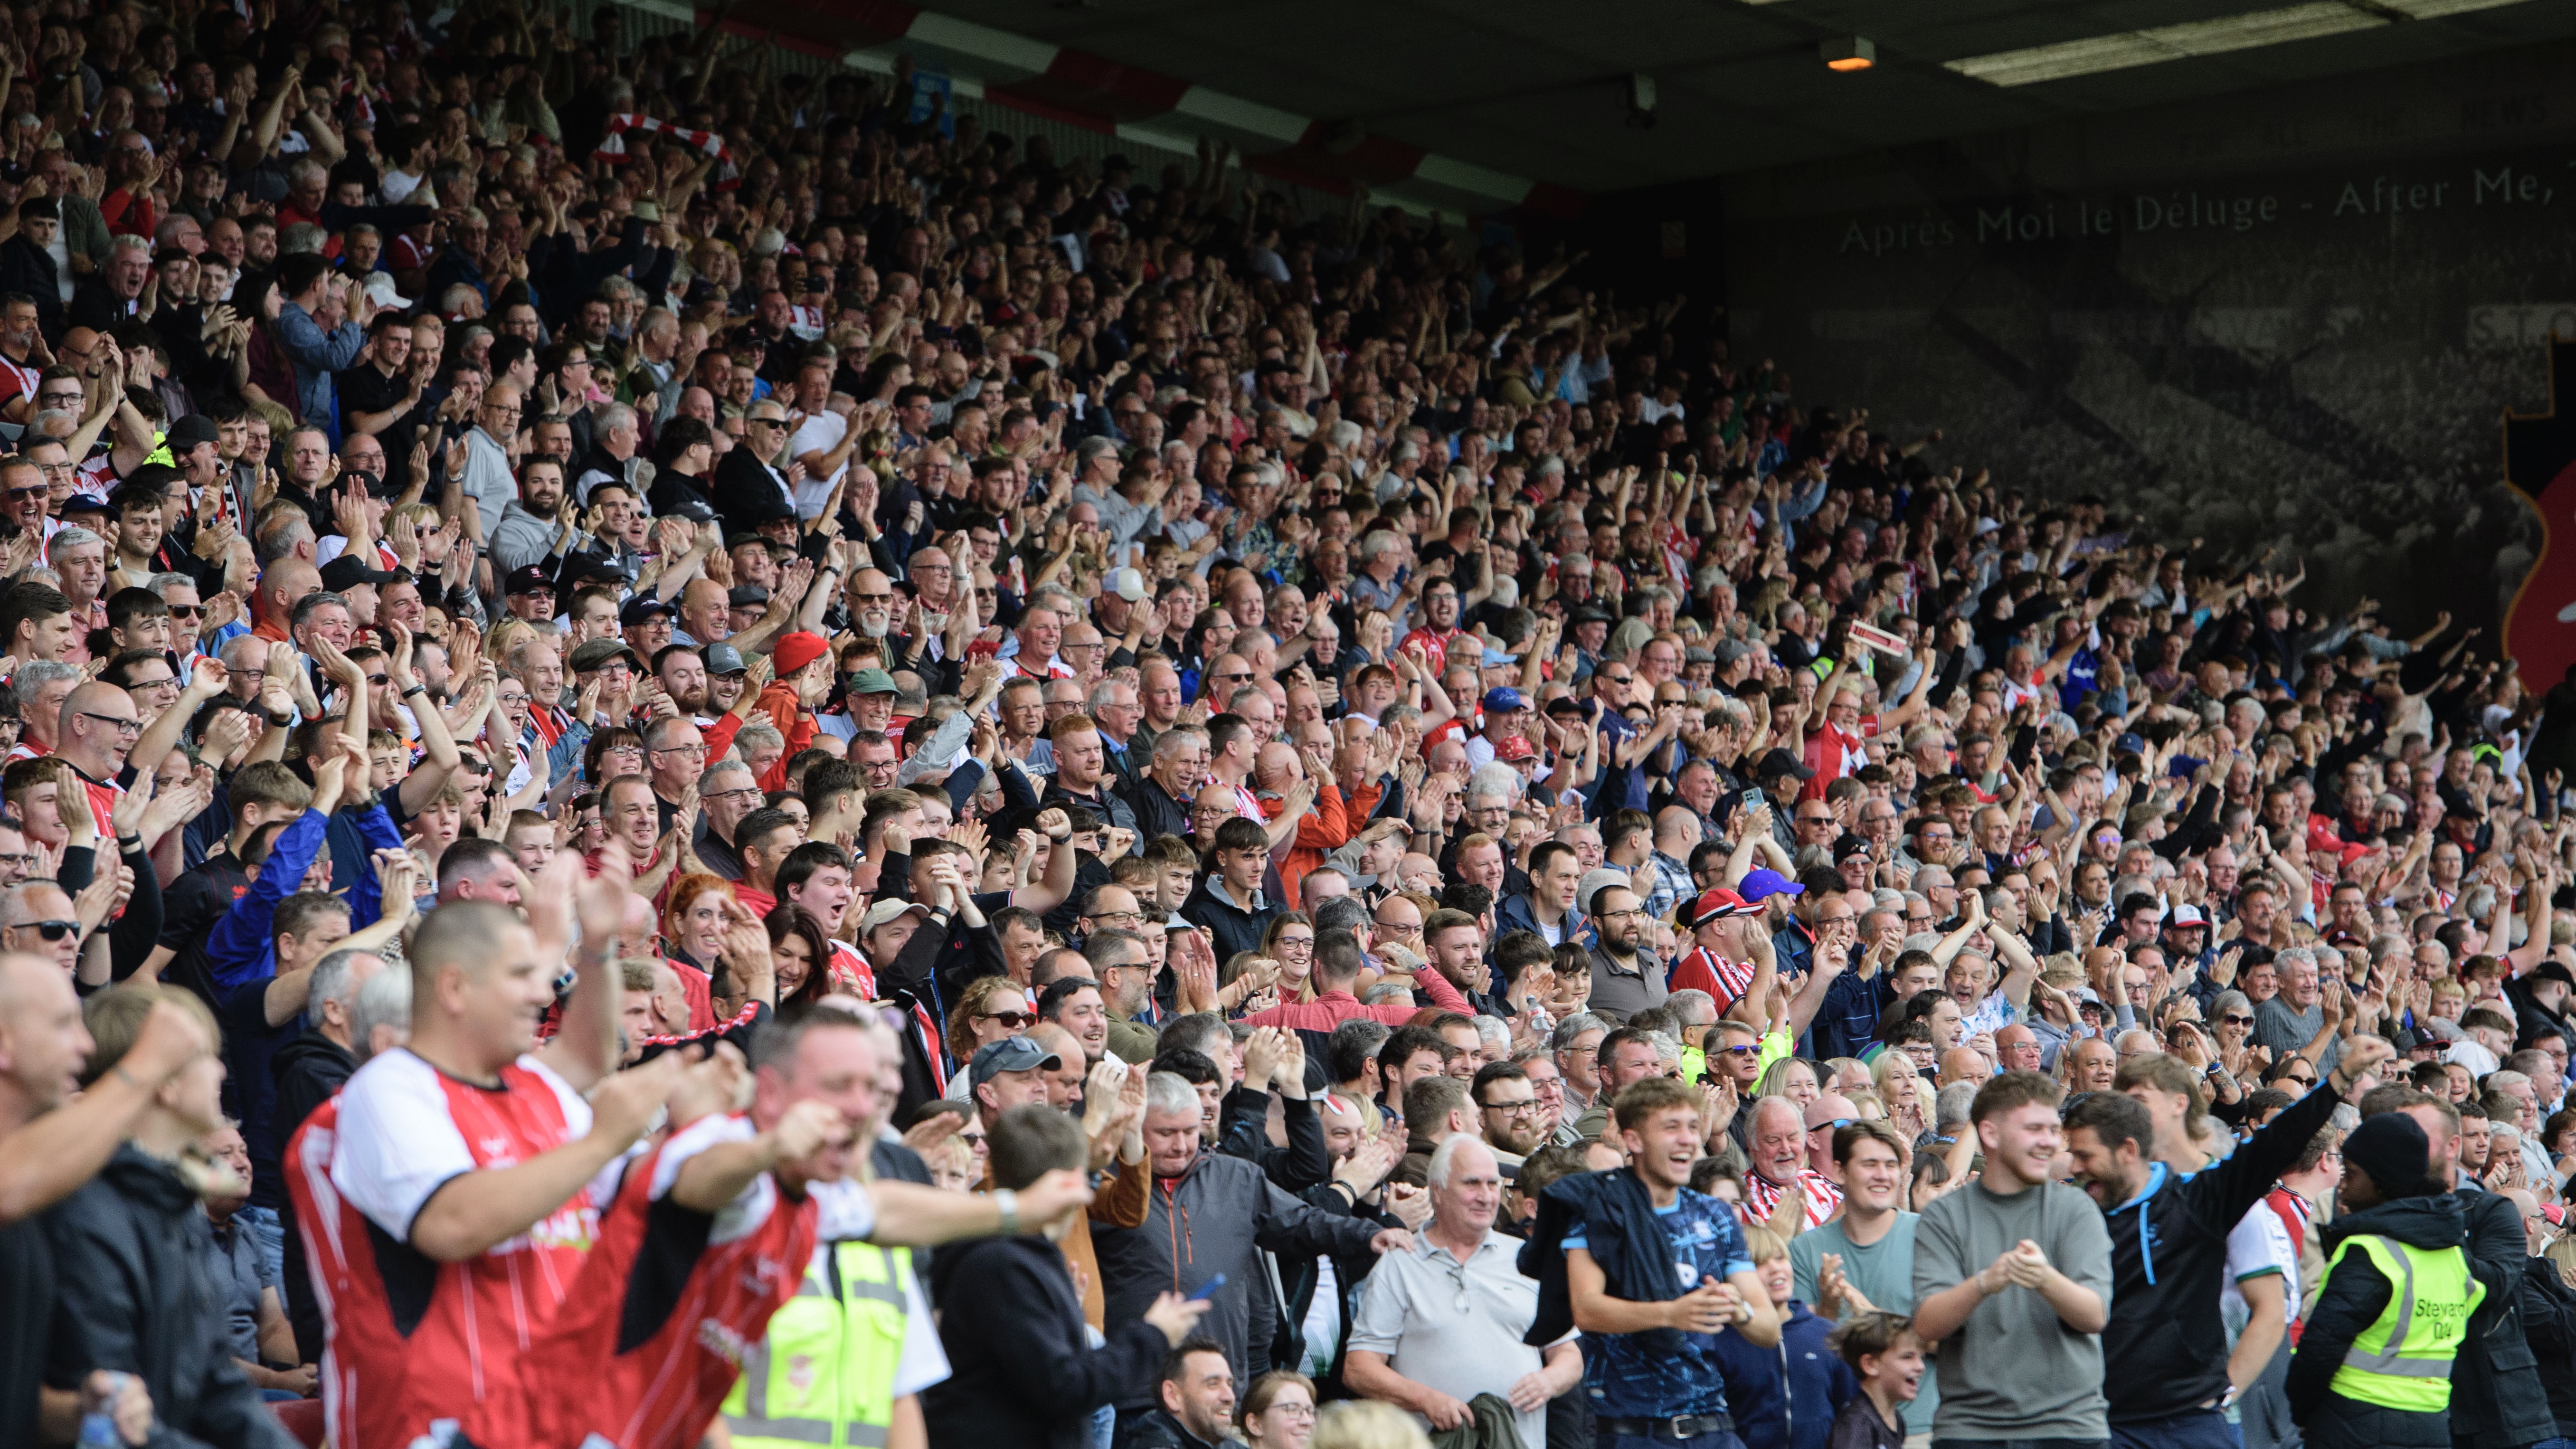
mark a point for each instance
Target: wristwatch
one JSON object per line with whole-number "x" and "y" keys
{"x": 1009, "y": 1202}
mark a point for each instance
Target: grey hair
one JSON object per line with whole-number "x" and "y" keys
{"x": 1444, "y": 1158}
{"x": 129, "y": 242}
{"x": 707, "y": 776}
{"x": 384, "y": 1000}
{"x": 1954, "y": 1103}
{"x": 1341, "y": 913}
{"x": 159, "y": 582}
{"x": 1496, "y": 1036}
{"x": 1372, "y": 546}
{"x": 1171, "y": 1095}
{"x": 1101, "y": 696}
{"x": 1571, "y": 1030}
{"x": 1171, "y": 740}
{"x": 330, "y": 980}
{"x": 34, "y": 675}
{"x": 1496, "y": 781}
{"x": 1668, "y": 1047}
{"x": 1694, "y": 1007}
{"x": 72, "y": 538}
{"x": 610, "y": 416}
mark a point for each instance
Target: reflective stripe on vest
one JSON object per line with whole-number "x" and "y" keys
{"x": 824, "y": 1373}
{"x": 2403, "y": 1359}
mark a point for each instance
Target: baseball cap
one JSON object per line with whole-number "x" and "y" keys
{"x": 1763, "y": 884}
{"x": 746, "y": 596}
{"x": 1781, "y": 762}
{"x": 1010, "y": 1054}
{"x": 350, "y": 570}
{"x": 380, "y": 291}
{"x": 1504, "y": 700}
{"x": 527, "y": 579}
{"x": 1494, "y": 658}
{"x": 1848, "y": 845}
{"x": 640, "y": 608}
{"x": 884, "y": 911}
{"x": 873, "y": 681}
{"x": 595, "y": 654}
{"x": 2184, "y": 917}
{"x": 725, "y": 659}
{"x": 797, "y": 650}
{"x": 1128, "y": 584}
{"x": 1515, "y": 748}
{"x": 1713, "y": 905}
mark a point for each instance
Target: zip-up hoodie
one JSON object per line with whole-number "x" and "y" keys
{"x": 1215, "y": 1218}
{"x": 2168, "y": 1255}
{"x": 2355, "y": 1294}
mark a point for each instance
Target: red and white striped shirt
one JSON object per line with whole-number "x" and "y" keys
{"x": 1701, "y": 969}
{"x": 1823, "y": 1199}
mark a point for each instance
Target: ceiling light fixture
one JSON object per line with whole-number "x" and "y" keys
{"x": 2219, "y": 35}
{"x": 1848, "y": 53}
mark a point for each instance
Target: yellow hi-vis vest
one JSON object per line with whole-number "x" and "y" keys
{"x": 2403, "y": 1359}
{"x": 824, "y": 1374}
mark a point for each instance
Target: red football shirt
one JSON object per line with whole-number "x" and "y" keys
{"x": 460, "y": 1334}
{"x": 672, "y": 1301}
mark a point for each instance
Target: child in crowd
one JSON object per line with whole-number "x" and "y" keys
{"x": 1883, "y": 1352}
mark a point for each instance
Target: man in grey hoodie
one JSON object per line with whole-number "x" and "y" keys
{"x": 1209, "y": 1215}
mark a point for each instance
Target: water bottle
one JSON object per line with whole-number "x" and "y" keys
{"x": 98, "y": 1427}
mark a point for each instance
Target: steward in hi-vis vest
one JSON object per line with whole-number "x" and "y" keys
{"x": 2373, "y": 1369}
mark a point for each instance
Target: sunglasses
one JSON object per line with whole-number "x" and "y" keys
{"x": 52, "y": 930}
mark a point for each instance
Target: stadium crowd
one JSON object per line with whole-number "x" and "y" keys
{"x": 696, "y": 757}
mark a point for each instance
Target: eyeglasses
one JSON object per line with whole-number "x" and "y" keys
{"x": 1524, "y": 1105}
{"x": 1615, "y": 915}
{"x": 1015, "y": 1020}
{"x": 699, "y": 749}
{"x": 1119, "y": 918}
{"x": 1835, "y": 1125}
{"x": 52, "y": 930}
{"x": 1292, "y": 945}
{"x": 1390, "y": 928}
{"x": 122, "y": 726}
{"x": 746, "y": 793}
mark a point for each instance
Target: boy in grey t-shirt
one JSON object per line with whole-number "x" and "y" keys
{"x": 2012, "y": 1276}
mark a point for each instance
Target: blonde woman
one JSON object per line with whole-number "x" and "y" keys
{"x": 1790, "y": 1077}
{"x": 1902, "y": 1091}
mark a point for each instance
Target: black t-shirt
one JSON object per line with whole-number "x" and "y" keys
{"x": 190, "y": 907}
{"x": 365, "y": 389}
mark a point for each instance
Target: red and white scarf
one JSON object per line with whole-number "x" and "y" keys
{"x": 613, "y": 146}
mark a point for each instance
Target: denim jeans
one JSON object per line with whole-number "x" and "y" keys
{"x": 1939, "y": 1443}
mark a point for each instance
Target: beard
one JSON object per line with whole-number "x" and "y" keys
{"x": 876, "y": 626}
{"x": 692, "y": 702}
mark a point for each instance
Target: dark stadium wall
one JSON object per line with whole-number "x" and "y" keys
{"x": 2287, "y": 320}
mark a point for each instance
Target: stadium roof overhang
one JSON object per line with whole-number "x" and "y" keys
{"x": 1484, "y": 107}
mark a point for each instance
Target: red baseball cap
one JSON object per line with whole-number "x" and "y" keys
{"x": 1714, "y": 905}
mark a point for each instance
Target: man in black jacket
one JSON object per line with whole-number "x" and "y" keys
{"x": 130, "y": 1250}
{"x": 1020, "y": 1370}
{"x": 2498, "y": 1399}
{"x": 2169, "y": 1250}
